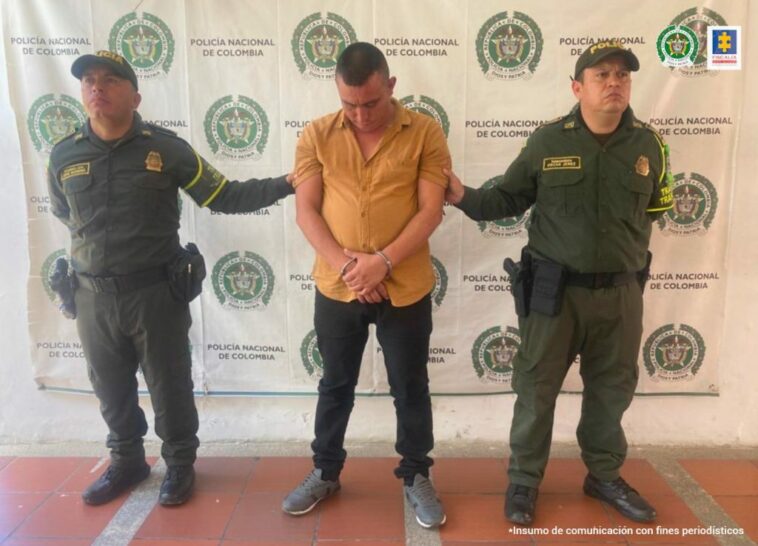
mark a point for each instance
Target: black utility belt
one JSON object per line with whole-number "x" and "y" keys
{"x": 600, "y": 280}
{"x": 538, "y": 285}
{"x": 122, "y": 283}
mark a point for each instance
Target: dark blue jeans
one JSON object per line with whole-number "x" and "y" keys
{"x": 403, "y": 333}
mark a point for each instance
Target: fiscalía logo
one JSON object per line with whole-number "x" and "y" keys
{"x": 51, "y": 119}
{"x": 48, "y": 267}
{"x": 493, "y": 353}
{"x": 236, "y": 128}
{"x": 677, "y": 46}
{"x": 695, "y": 202}
{"x": 312, "y": 361}
{"x": 724, "y": 48}
{"x": 430, "y": 107}
{"x": 698, "y": 20}
{"x": 440, "y": 283}
{"x": 243, "y": 280}
{"x": 509, "y": 47}
{"x": 511, "y": 226}
{"x": 145, "y": 42}
{"x": 673, "y": 352}
{"x": 318, "y": 42}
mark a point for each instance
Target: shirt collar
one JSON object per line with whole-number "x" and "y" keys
{"x": 402, "y": 117}
{"x": 138, "y": 127}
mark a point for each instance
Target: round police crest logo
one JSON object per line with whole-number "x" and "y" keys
{"x": 427, "y": 105}
{"x": 312, "y": 361}
{"x": 673, "y": 352}
{"x": 145, "y": 42}
{"x": 317, "y": 43}
{"x": 511, "y": 226}
{"x": 47, "y": 269}
{"x": 695, "y": 202}
{"x": 243, "y": 280}
{"x": 440, "y": 283}
{"x": 51, "y": 119}
{"x": 698, "y": 20}
{"x": 677, "y": 46}
{"x": 236, "y": 128}
{"x": 509, "y": 47}
{"x": 493, "y": 353}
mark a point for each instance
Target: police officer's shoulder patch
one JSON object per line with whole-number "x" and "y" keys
{"x": 158, "y": 129}
{"x": 549, "y": 122}
{"x": 76, "y": 136}
{"x": 637, "y": 124}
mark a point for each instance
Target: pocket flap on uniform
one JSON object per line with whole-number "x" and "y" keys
{"x": 155, "y": 181}
{"x": 638, "y": 184}
{"x": 76, "y": 184}
{"x": 561, "y": 178}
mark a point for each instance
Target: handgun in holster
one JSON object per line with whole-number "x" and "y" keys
{"x": 186, "y": 273}
{"x": 520, "y": 275}
{"x": 63, "y": 284}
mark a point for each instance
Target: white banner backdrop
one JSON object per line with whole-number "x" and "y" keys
{"x": 488, "y": 72}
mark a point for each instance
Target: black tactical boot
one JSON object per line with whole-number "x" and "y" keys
{"x": 621, "y": 496}
{"x": 177, "y": 485}
{"x": 114, "y": 481}
{"x": 519, "y": 503}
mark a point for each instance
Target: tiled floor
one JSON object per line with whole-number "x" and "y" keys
{"x": 237, "y": 502}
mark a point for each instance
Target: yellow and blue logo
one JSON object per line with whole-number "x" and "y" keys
{"x": 724, "y": 48}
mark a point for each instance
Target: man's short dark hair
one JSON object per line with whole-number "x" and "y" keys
{"x": 359, "y": 61}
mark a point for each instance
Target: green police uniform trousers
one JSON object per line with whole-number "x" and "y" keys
{"x": 145, "y": 328}
{"x": 604, "y": 327}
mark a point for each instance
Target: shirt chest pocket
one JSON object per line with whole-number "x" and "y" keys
{"x": 79, "y": 195}
{"x": 149, "y": 193}
{"x": 561, "y": 192}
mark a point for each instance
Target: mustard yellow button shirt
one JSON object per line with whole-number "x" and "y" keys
{"x": 367, "y": 203}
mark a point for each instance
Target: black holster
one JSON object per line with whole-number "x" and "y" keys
{"x": 63, "y": 283}
{"x": 644, "y": 273}
{"x": 521, "y": 281}
{"x": 186, "y": 273}
{"x": 548, "y": 286}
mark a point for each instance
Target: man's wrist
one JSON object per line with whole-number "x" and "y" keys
{"x": 387, "y": 262}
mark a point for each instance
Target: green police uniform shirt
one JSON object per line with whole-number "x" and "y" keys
{"x": 119, "y": 199}
{"x": 593, "y": 204}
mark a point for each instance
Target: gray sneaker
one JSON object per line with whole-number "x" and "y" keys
{"x": 308, "y": 494}
{"x": 423, "y": 498}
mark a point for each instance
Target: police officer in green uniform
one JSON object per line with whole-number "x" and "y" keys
{"x": 114, "y": 184}
{"x": 595, "y": 179}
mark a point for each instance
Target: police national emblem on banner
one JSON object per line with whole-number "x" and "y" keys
{"x": 493, "y": 353}
{"x": 430, "y": 107}
{"x": 145, "y": 41}
{"x": 52, "y": 118}
{"x": 318, "y": 42}
{"x": 674, "y": 353}
{"x": 509, "y": 46}
{"x": 236, "y": 128}
{"x": 243, "y": 280}
{"x": 677, "y": 46}
{"x": 724, "y": 48}
{"x": 695, "y": 204}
